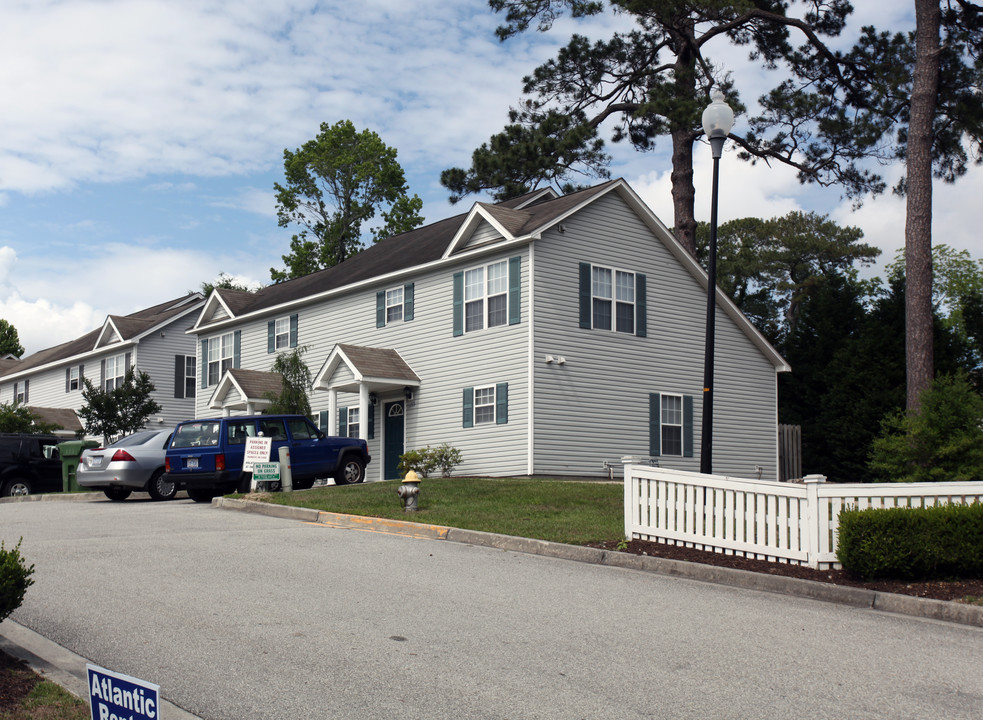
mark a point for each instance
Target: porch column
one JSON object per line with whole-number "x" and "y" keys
{"x": 250, "y": 408}
{"x": 332, "y": 411}
{"x": 363, "y": 411}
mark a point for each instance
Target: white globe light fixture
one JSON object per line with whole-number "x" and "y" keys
{"x": 718, "y": 119}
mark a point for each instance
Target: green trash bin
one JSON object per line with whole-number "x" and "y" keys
{"x": 70, "y": 452}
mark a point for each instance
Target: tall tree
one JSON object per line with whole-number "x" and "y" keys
{"x": 653, "y": 82}
{"x": 918, "y": 210}
{"x": 335, "y": 184}
{"x": 9, "y": 340}
{"x": 771, "y": 267}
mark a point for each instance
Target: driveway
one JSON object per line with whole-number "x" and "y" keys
{"x": 239, "y": 616}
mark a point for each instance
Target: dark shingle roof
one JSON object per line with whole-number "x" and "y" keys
{"x": 129, "y": 327}
{"x": 416, "y": 247}
{"x": 64, "y": 418}
{"x": 379, "y": 363}
{"x": 257, "y": 383}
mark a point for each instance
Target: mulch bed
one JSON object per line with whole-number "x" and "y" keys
{"x": 16, "y": 682}
{"x": 956, "y": 590}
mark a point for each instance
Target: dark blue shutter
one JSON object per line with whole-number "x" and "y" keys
{"x": 293, "y": 330}
{"x": 343, "y": 422}
{"x": 687, "y": 426}
{"x": 236, "y": 347}
{"x": 380, "y": 308}
{"x": 459, "y": 305}
{"x": 655, "y": 424}
{"x": 371, "y": 421}
{"x": 468, "y": 407}
{"x": 322, "y": 422}
{"x": 585, "y": 296}
{"x": 515, "y": 292}
{"x": 641, "y": 328}
{"x": 408, "y": 302}
{"x": 81, "y": 375}
{"x": 102, "y": 374}
{"x": 126, "y": 363}
{"x": 502, "y": 403}
{"x": 179, "y": 368}
{"x": 68, "y": 379}
{"x": 204, "y": 364}
{"x": 271, "y": 336}
{"x": 27, "y": 384}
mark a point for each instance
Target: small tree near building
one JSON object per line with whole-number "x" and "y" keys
{"x": 121, "y": 411}
{"x": 293, "y": 398}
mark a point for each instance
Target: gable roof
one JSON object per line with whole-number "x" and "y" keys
{"x": 121, "y": 328}
{"x": 518, "y": 220}
{"x": 376, "y": 367}
{"x": 252, "y": 387}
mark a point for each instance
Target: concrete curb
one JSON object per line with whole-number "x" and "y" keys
{"x": 824, "y": 592}
{"x": 60, "y": 665}
{"x": 57, "y": 497}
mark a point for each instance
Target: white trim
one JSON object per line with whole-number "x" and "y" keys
{"x": 531, "y": 371}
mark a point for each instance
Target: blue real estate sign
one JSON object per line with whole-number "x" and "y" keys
{"x": 120, "y": 697}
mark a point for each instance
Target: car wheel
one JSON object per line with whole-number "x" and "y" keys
{"x": 200, "y": 495}
{"x": 17, "y": 488}
{"x": 352, "y": 471}
{"x": 160, "y": 488}
{"x": 117, "y": 494}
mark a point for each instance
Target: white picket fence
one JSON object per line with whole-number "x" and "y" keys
{"x": 785, "y": 522}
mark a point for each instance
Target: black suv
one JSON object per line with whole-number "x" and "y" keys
{"x": 29, "y": 464}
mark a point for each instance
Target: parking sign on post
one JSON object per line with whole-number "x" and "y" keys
{"x": 113, "y": 696}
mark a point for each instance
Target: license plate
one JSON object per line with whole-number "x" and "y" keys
{"x": 192, "y": 463}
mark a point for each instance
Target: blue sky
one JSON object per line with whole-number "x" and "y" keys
{"x": 140, "y": 139}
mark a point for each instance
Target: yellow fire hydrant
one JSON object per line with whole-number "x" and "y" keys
{"x": 409, "y": 491}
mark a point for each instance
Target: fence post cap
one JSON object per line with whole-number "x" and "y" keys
{"x": 814, "y": 479}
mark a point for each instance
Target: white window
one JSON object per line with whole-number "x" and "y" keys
{"x": 115, "y": 372}
{"x": 220, "y": 354}
{"x": 394, "y": 305}
{"x": 613, "y": 299}
{"x": 672, "y": 425}
{"x": 189, "y": 376}
{"x": 486, "y": 296}
{"x": 353, "y": 424}
{"x": 484, "y": 405}
{"x": 20, "y": 393}
{"x": 74, "y": 377}
{"x": 281, "y": 333}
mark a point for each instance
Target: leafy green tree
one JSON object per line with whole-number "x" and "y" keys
{"x": 9, "y": 340}
{"x": 226, "y": 282}
{"x": 943, "y": 441}
{"x": 335, "y": 184}
{"x": 121, "y": 411}
{"x": 769, "y": 268}
{"x": 18, "y": 418}
{"x": 654, "y": 81}
{"x": 293, "y": 398}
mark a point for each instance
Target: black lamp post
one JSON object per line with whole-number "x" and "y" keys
{"x": 718, "y": 119}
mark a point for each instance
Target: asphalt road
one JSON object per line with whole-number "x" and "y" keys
{"x": 239, "y": 616}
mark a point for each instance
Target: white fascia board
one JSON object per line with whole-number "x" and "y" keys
{"x": 209, "y": 306}
{"x": 536, "y": 195}
{"x": 331, "y": 363}
{"x": 73, "y": 360}
{"x": 387, "y": 279}
{"x": 163, "y": 323}
{"x": 696, "y": 270}
{"x": 106, "y": 327}
{"x": 471, "y": 222}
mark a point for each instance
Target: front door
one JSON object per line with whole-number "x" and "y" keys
{"x": 394, "y": 438}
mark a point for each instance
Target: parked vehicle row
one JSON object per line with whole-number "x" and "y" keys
{"x": 203, "y": 457}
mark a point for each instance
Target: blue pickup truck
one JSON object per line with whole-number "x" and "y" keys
{"x": 205, "y": 457}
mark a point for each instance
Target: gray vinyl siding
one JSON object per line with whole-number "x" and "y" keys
{"x": 156, "y": 358}
{"x": 483, "y": 234}
{"x": 595, "y": 407}
{"x": 446, "y": 365}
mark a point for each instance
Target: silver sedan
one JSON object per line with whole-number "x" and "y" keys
{"x": 134, "y": 463}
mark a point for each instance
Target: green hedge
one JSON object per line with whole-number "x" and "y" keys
{"x": 15, "y": 578}
{"x": 944, "y": 541}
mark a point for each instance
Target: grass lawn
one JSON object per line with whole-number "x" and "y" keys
{"x": 554, "y": 510}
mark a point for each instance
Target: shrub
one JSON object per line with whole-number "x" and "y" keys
{"x": 15, "y": 578}
{"x": 943, "y": 541}
{"x": 942, "y": 442}
{"x": 425, "y": 460}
